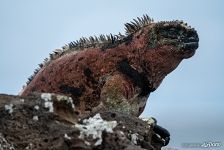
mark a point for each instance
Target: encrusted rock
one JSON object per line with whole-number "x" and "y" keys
{"x": 32, "y": 125}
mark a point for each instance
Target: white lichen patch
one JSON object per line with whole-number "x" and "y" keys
{"x": 67, "y": 137}
{"x": 47, "y": 101}
{"x": 87, "y": 143}
{"x": 36, "y": 107}
{"x": 49, "y": 105}
{"x": 46, "y": 96}
{"x": 121, "y": 135}
{"x": 22, "y": 100}
{"x": 9, "y": 108}
{"x": 35, "y": 118}
{"x": 134, "y": 138}
{"x": 150, "y": 121}
{"x": 30, "y": 146}
{"x": 66, "y": 99}
{"x": 94, "y": 127}
{"x": 121, "y": 132}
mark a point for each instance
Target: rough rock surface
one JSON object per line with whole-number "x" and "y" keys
{"x": 48, "y": 121}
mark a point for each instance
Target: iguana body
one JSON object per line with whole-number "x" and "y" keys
{"x": 116, "y": 72}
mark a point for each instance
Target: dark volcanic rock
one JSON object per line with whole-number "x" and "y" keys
{"x": 49, "y": 121}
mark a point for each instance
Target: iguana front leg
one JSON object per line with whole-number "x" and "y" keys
{"x": 120, "y": 94}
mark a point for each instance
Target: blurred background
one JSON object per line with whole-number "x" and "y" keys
{"x": 189, "y": 102}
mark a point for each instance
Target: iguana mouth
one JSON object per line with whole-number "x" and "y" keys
{"x": 190, "y": 43}
{"x": 190, "y": 46}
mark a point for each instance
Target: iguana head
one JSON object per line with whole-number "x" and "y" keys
{"x": 175, "y": 34}
{"x": 166, "y": 44}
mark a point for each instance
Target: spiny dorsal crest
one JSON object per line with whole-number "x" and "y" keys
{"x": 130, "y": 28}
{"x": 137, "y": 24}
{"x": 94, "y": 41}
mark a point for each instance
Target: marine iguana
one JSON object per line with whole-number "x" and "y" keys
{"x": 117, "y": 72}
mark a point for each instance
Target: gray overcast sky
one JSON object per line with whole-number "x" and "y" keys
{"x": 189, "y": 102}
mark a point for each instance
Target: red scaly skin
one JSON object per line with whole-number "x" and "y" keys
{"x": 118, "y": 78}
